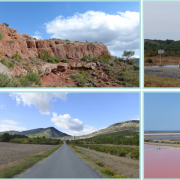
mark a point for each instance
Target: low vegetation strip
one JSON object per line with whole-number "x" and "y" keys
{"x": 122, "y": 167}
{"x": 152, "y": 81}
{"x": 17, "y": 167}
{"x": 114, "y": 150}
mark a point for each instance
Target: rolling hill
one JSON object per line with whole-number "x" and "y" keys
{"x": 49, "y": 132}
{"x": 132, "y": 125}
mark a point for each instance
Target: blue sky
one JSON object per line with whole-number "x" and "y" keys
{"x": 161, "y": 111}
{"x": 73, "y": 113}
{"x": 115, "y": 24}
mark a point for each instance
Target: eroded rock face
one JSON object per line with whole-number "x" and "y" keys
{"x": 4, "y": 70}
{"x": 28, "y": 47}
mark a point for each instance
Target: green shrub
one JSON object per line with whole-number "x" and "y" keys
{"x": 131, "y": 62}
{"x": 33, "y": 78}
{"x": 7, "y": 63}
{"x": 121, "y": 153}
{"x": 22, "y": 81}
{"x": 148, "y": 61}
{"x": 123, "y": 69}
{"x": 135, "y": 67}
{"x": 85, "y": 58}
{"x": 76, "y": 41}
{"x": 5, "y": 81}
{"x": 65, "y": 60}
{"x": 135, "y": 154}
{"x": 78, "y": 151}
{"x": 45, "y": 56}
{"x": 81, "y": 78}
{"x": 1, "y": 35}
{"x": 99, "y": 163}
{"x": 17, "y": 57}
{"x": 34, "y": 61}
{"x": 108, "y": 171}
{"x": 120, "y": 176}
{"x": 7, "y": 25}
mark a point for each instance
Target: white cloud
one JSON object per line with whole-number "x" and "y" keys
{"x": 135, "y": 118}
{"x": 135, "y": 56}
{"x": 86, "y": 130}
{"x": 10, "y": 125}
{"x": 2, "y": 106}
{"x": 119, "y": 32}
{"x": 8, "y": 122}
{"x": 37, "y": 35}
{"x": 65, "y": 121}
{"x": 39, "y": 100}
{"x": 73, "y": 127}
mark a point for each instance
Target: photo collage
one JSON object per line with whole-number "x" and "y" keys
{"x": 89, "y": 89}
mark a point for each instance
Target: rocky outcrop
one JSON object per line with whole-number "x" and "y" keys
{"x": 28, "y": 47}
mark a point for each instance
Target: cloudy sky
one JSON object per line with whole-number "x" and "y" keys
{"x": 161, "y": 20}
{"x": 161, "y": 111}
{"x": 116, "y": 24}
{"x": 72, "y": 113}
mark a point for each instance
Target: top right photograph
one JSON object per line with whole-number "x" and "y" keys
{"x": 161, "y": 44}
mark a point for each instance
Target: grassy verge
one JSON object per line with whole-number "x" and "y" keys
{"x": 12, "y": 169}
{"x": 152, "y": 81}
{"x": 97, "y": 166}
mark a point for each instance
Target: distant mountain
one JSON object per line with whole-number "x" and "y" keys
{"x": 132, "y": 125}
{"x": 49, "y": 132}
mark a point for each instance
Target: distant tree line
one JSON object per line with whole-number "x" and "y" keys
{"x": 170, "y": 47}
{"x": 22, "y": 139}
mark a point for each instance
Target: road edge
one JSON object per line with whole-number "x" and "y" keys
{"x": 15, "y": 168}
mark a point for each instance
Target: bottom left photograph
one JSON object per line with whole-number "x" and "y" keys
{"x": 69, "y": 135}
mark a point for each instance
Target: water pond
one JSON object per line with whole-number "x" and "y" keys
{"x": 171, "y": 71}
{"x": 161, "y": 161}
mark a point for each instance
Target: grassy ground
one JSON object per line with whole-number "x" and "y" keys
{"x": 120, "y": 165}
{"x": 12, "y": 169}
{"x": 152, "y": 81}
{"x": 165, "y": 60}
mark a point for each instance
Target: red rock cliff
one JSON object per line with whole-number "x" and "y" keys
{"x": 28, "y": 47}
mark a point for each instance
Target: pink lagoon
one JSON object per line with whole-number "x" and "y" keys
{"x": 161, "y": 161}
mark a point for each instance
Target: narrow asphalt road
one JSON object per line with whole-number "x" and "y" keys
{"x": 64, "y": 163}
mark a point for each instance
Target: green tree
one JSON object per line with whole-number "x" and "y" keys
{"x": 6, "y": 137}
{"x": 128, "y": 54}
{"x": 7, "y": 25}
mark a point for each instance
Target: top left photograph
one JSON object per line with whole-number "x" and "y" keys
{"x": 69, "y": 44}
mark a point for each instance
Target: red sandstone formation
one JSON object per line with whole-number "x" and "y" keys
{"x": 28, "y": 47}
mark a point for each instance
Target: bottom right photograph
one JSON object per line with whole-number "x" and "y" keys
{"x": 161, "y": 135}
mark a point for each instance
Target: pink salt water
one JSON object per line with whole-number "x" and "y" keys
{"x": 161, "y": 163}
